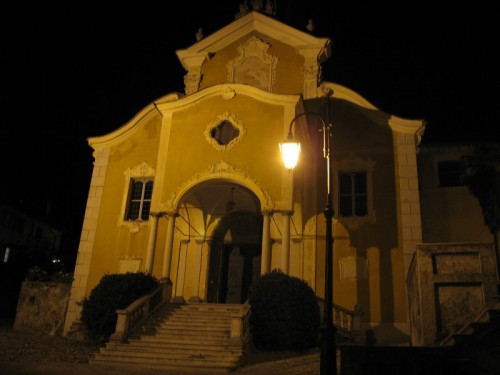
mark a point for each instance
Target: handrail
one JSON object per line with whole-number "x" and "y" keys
{"x": 347, "y": 322}
{"x": 130, "y": 317}
{"x": 476, "y": 318}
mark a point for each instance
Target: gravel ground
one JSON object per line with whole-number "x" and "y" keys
{"x": 35, "y": 347}
{"x": 37, "y": 353}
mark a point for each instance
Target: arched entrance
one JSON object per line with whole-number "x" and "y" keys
{"x": 227, "y": 216}
{"x": 235, "y": 253}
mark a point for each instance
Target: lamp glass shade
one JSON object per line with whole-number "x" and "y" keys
{"x": 290, "y": 153}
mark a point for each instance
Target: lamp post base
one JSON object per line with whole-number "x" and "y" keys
{"x": 328, "y": 356}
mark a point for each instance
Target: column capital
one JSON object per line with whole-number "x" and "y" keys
{"x": 267, "y": 212}
{"x": 287, "y": 212}
{"x": 170, "y": 214}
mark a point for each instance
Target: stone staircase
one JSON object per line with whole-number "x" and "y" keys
{"x": 187, "y": 337}
{"x": 485, "y": 325}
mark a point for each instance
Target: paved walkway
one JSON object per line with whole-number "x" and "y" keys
{"x": 303, "y": 365}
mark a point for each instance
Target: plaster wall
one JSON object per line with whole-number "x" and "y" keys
{"x": 115, "y": 238}
{"x": 447, "y": 211}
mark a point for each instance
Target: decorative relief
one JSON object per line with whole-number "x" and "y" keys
{"x": 221, "y": 167}
{"x": 192, "y": 82}
{"x": 228, "y": 93}
{"x": 255, "y": 66}
{"x": 310, "y": 71}
{"x": 142, "y": 170}
{"x": 224, "y": 132}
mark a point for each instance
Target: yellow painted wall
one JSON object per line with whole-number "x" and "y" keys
{"x": 380, "y": 293}
{"x": 257, "y": 154}
{"x": 113, "y": 240}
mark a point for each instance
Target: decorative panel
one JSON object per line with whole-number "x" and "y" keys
{"x": 456, "y": 304}
{"x": 456, "y": 263}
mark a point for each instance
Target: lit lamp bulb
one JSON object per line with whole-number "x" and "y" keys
{"x": 290, "y": 153}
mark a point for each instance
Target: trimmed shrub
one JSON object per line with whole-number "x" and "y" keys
{"x": 284, "y": 313}
{"x": 113, "y": 292}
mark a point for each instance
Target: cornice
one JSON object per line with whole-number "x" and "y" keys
{"x": 255, "y": 21}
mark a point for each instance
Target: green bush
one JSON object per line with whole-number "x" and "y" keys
{"x": 284, "y": 313}
{"x": 113, "y": 292}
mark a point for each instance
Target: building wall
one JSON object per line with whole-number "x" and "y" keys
{"x": 264, "y": 128}
{"x": 449, "y": 214}
{"x": 170, "y": 140}
{"x": 116, "y": 239}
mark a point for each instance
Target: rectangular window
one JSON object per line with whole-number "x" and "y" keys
{"x": 353, "y": 194}
{"x": 449, "y": 173}
{"x": 139, "y": 201}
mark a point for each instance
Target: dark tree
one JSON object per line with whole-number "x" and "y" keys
{"x": 482, "y": 176}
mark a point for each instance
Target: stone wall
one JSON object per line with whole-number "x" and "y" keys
{"x": 42, "y": 307}
{"x": 447, "y": 285}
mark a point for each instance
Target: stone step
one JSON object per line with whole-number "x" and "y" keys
{"x": 125, "y": 352}
{"x": 190, "y": 323}
{"x": 201, "y": 315}
{"x": 210, "y": 306}
{"x": 173, "y": 347}
{"x": 186, "y": 364}
{"x": 192, "y": 337}
{"x": 190, "y": 333}
{"x": 185, "y": 333}
{"x": 186, "y": 320}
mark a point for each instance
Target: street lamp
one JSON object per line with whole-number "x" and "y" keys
{"x": 290, "y": 150}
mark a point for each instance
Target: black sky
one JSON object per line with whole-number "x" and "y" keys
{"x": 75, "y": 69}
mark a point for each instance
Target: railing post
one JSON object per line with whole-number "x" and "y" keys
{"x": 356, "y": 319}
{"x": 240, "y": 326}
{"x": 121, "y": 330}
{"x": 166, "y": 285}
{"x": 236, "y": 328}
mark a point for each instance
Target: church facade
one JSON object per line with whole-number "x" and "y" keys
{"x": 193, "y": 188}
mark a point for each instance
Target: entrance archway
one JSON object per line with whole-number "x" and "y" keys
{"x": 227, "y": 216}
{"x": 234, "y": 257}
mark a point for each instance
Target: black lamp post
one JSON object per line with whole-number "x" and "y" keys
{"x": 290, "y": 150}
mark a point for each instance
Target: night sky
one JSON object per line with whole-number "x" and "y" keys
{"x": 76, "y": 69}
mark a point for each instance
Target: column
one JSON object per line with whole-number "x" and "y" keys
{"x": 265, "y": 265}
{"x": 197, "y": 271}
{"x": 152, "y": 243}
{"x": 169, "y": 244}
{"x": 285, "y": 242}
{"x": 181, "y": 272}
